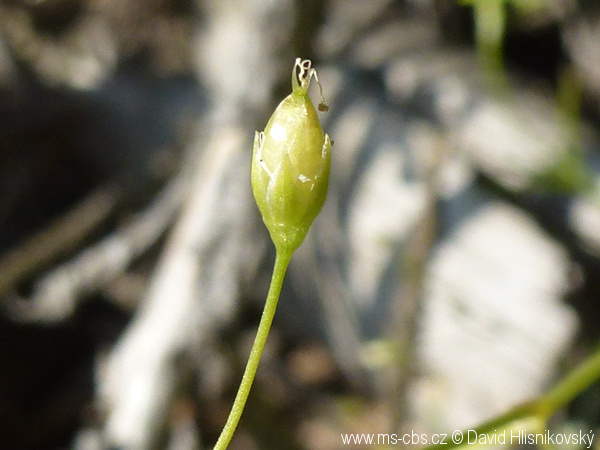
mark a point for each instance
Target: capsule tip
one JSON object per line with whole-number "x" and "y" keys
{"x": 302, "y": 73}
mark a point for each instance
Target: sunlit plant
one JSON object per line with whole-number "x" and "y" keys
{"x": 290, "y": 176}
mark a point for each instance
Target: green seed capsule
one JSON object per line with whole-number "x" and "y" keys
{"x": 290, "y": 163}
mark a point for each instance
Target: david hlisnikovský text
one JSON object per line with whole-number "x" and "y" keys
{"x": 522, "y": 437}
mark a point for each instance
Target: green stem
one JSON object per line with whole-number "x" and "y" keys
{"x": 520, "y": 412}
{"x": 544, "y": 407}
{"x": 490, "y": 25}
{"x": 577, "y": 381}
{"x": 282, "y": 260}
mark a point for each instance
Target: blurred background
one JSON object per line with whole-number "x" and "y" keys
{"x": 453, "y": 273}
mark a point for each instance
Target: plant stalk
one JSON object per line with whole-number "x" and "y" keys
{"x": 282, "y": 260}
{"x": 544, "y": 407}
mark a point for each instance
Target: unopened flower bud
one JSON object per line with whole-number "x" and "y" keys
{"x": 290, "y": 163}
